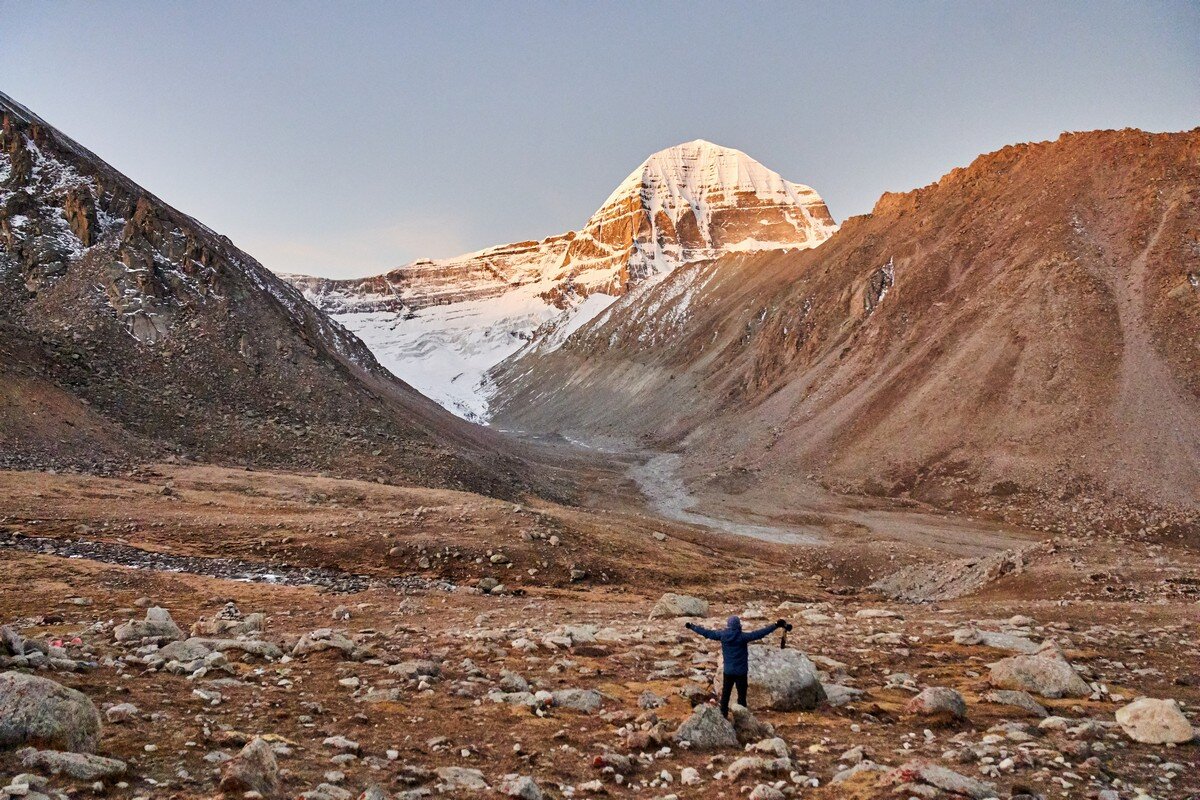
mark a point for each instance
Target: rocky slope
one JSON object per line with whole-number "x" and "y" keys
{"x": 129, "y": 330}
{"x": 1019, "y": 336}
{"x": 443, "y": 323}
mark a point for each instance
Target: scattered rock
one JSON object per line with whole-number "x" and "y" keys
{"x": 938, "y": 701}
{"x": 80, "y": 766}
{"x": 252, "y": 770}
{"x": 679, "y": 605}
{"x": 521, "y": 786}
{"x": 586, "y": 700}
{"x": 1017, "y": 699}
{"x": 462, "y": 779}
{"x": 122, "y": 712}
{"x": 1001, "y": 641}
{"x": 925, "y": 772}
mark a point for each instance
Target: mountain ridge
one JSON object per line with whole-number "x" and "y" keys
{"x": 682, "y": 204}
{"x": 135, "y": 332}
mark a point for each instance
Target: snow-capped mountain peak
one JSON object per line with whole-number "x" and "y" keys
{"x": 443, "y": 324}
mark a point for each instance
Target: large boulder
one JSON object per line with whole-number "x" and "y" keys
{"x": 1153, "y": 721}
{"x": 40, "y": 712}
{"x": 679, "y": 605}
{"x": 782, "y": 680}
{"x": 157, "y": 626}
{"x": 252, "y": 770}
{"x": 706, "y": 729}
{"x": 1048, "y": 673}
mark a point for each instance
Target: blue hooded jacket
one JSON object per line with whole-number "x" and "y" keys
{"x": 733, "y": 639}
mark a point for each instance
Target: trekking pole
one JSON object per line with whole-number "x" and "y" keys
{"x": 787, "y": 626}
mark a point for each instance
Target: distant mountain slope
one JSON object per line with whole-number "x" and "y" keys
{"x": 1023, "y": 333}
{"x": 444, "y": 323}
{"x": 129, "y": 330}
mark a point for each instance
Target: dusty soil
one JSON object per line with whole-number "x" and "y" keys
{"x": 1125, "y": 611}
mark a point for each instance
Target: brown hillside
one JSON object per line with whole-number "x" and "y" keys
{"x": 1025, "y": 328}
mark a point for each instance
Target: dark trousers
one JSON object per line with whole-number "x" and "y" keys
{"x": 727, "y": 688}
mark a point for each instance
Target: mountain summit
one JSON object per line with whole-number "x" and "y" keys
{"x": 443, "y": 324}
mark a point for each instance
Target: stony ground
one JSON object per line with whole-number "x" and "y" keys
{"x": 386, "y": 670}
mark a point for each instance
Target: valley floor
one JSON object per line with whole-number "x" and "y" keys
{"x": 381, "y": 662}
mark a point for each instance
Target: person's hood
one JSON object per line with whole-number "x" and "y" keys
{"x": 734, "y": 624}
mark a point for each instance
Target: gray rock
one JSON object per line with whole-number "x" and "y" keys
{"x": 327, "y": 791}
{"x": 679, "y": 605}
{"x": 80, "y": 766}
{"x": 747, "y": 726}
{"x": 1017, "y": 699}
{"x": 255, "y": 647}
{"x": 1001, "y": 641}
{"x": 861, "y": 766}
{"x": 122, "y": 712}
{"x": 416, "y": 668}
{"x": 184, "y": 651}
{"x": 938, "y": 701}
{"x": 521, "y": 786}
{"x": 786, "y": 679}
{"x": 766, "y": 792}
{"x": 706, "y": 729}
{"x": 322, "y": 639}
{"x": 586, "y": 700}
{"x": 40, "y": 712}
{"x": 512, "y": 682}
{"x": 462, "y": 779}
{"x": 1048, "y": 674}
{"x": 920, "y": 771}
{"x": 1151, "y": 721}
{"x": 252, "y": 770}
{"x": 157, "y": 626}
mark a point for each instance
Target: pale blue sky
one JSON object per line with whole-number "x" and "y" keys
{"x": 347, "y": 138}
